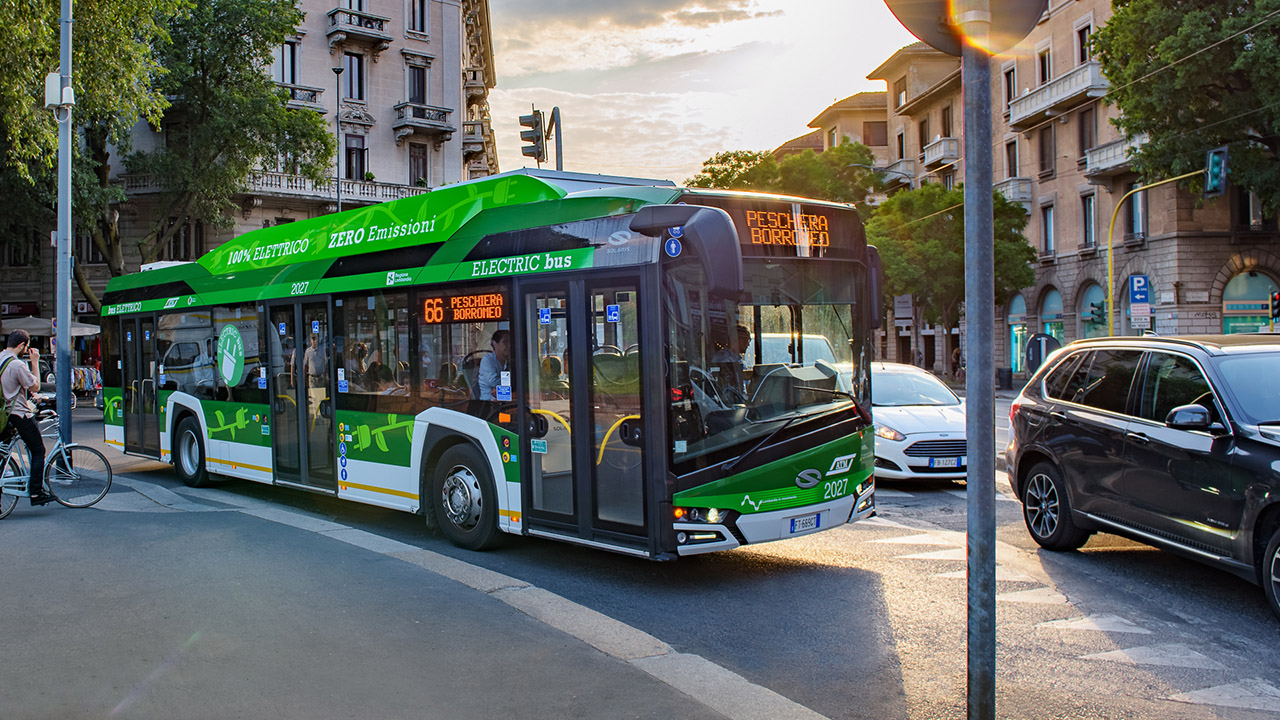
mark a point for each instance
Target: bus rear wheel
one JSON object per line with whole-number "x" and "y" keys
{"x": 466, "y": 505}
{"x": 188, "y": 454}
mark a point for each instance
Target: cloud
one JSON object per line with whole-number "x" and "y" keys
{"x": 634, "y": 14}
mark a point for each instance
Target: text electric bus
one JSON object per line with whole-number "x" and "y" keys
{"x": 503, "y": 356}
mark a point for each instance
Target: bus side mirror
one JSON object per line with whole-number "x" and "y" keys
{"x": 707, "y": 231}
{"x": 875, "y": 278}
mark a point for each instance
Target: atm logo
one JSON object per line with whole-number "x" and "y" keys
{"x": 842, "y": 464}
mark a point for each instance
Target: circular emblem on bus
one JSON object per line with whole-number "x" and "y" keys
{"x": 231, "y": 355}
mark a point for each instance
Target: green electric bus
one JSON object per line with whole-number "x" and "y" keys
{"x": 505, "y": 356}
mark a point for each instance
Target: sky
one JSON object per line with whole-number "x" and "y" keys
{"x": 652, "y": 88}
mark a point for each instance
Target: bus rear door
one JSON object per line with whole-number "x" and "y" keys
{"x": 141, "y": 405}
{"x": 301, "y": 386}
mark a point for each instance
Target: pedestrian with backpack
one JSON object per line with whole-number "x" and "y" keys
{"x": 18, "y": 379}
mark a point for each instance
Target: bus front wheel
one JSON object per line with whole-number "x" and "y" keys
{"x": 466, "y": 505}
{"x": 188, "y": 454}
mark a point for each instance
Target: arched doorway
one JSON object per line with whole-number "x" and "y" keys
{"x": 1246, "y": 303}
{"x": 1018, "y": 332}
{"x": 1051, "y": 316}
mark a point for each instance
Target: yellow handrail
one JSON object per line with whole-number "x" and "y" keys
{"x": 606, "y": 435}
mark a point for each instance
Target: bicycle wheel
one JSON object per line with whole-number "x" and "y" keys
{"x": 78, "y": 476}
{"x": 9, "y": 502}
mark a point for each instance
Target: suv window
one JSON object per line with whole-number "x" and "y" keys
{"x": 1171, "y": 381}
{"x": 1055, "y": 383}
{"x": 1103, "y": 382}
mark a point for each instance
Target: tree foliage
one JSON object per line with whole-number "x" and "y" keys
{"x": 228, "y": 118}
{"x": 840, "y": 174}
{"x": 920, "y": 235}
{"x": 1193, "y": 75}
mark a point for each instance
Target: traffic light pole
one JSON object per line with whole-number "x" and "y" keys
{"x": 1111, "y": 229}
{"x": 553, "y": 128}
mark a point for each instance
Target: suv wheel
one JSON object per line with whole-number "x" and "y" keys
{"x": 1271, "y": 572}
{"x": 1047, "y": 512}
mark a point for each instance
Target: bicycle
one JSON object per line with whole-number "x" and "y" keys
{"x": 76, "y": 475}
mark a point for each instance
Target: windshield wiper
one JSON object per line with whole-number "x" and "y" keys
{"x": 729, "y": 466}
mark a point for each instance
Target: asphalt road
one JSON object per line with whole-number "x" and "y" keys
{"x": 214, "y": 606}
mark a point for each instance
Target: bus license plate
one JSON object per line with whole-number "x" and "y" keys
{"x": 806, "y": 522}
{"x": 944, "y": 462}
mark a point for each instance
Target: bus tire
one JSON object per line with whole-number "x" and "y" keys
{"x": 464, "y": 499}
{"x": 188, "y": 454}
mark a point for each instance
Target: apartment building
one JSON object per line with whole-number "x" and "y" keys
{"x": 1208, "y": 265}
{"x": 410, "y": 108}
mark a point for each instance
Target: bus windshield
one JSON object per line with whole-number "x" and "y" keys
{"x": 784, "y": 352}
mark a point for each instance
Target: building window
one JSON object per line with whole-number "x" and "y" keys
{"x": 357, "y": 5}
{"x": 1088, "y": 130}
{"x": 187, "y": 243}
{"x": 902, "y": 145}
{"x": 875, "y": 133}
{"x": 417, "y": 84}
{"x": 355, "y": 157}
{"x": 418, "y": 169}
{"x": 1082, "y": 43}
{"x": 1135, "y": 213}
{"x": 1087, "y": 221}
{"x": 1010, "y": 85}
{"x": 418, "y": 15}
{"x": 900, "y": 93}
{"x": 353, "y": 77}
{"x": 833, "y": 136}
{"x": 947, "y": 130}
{"x": 949, "y": 180}
{"x": 1047, "y": 150}
{"x": 1046, "y": 231}
{"x": 923, "y": 132}
{"x": 284, "y": 64}
{"x": 87, "y": 251}
{"x": 1011, "y": 159}
{"x": 1044, "y": 66}
{"x": 1248, "y": 212}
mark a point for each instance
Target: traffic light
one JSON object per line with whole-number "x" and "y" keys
{"x": 1097, "y": 313}
{"x": 1275, "y": 306}
{"x": 535, "y": 136}
{"x": 1215, "y": 172}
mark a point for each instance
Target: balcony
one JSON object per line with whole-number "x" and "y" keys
{"x": 902, "y": 172}
{"x": 358, "y": 28}
{"x": 284, "y": 185}
{"x": 303, "y": 97}
{"x": 473, "y": 83}
{"x": 941, "y": 151}
{"x": 1016, "y": 189}
{"x": 1076, "y": 87}
{"x": 473, "y": 137}
{"x": 1111, "y": 159}
{"x": 419, "y": 119}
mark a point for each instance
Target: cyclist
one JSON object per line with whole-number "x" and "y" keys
{"x": 17, "y": 381}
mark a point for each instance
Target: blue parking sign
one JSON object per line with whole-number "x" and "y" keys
{"x": 1139, "y": 289}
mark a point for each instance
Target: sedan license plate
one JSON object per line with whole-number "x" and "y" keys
{"x": 806, "y": 522}
{"x": 945, "y": 462}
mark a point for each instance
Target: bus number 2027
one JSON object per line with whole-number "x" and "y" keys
{"x": 299, "y": 288}
{"x": 835, "y": 489}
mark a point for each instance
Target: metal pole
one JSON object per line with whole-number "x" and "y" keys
{"x": 62, "y": 354}
{"x": 337, "y": 132}
{"x": 974, "y": 19}
{"x": 555, "y": 123}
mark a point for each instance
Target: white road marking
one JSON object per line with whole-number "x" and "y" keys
{"x": 922, "y": 539}
{"x": 1002, "y": 574}
{"x": 1172, "y": 655}
{"x": 1000, "y": 495}
{"x": 1041, "y": 596}
{"x": 883, "y": 493}
{"x": 1098, "y": 623}
{"x": 879, "y": 522}
{"x": 1254, "y": 694}
{"x": 953, "y": 554}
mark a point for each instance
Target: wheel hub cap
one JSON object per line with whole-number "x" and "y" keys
{"x": 1042, "y": 506}
{"x": 461, "y": 498}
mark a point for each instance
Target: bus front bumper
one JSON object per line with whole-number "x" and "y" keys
{"x": 764, "y": 527}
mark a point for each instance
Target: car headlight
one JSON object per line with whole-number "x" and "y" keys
{"x": 889, "y": 433}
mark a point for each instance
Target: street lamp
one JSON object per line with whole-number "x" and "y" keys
{"x": 337, "y": 131}
{"x": 885, "y": 171}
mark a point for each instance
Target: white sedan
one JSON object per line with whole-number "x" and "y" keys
{"x": 919, "y": 425}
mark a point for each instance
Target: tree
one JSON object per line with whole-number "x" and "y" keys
{"x": 920, "y": 235}
{"x": 840, "y": 174}
{"x": 1193, "y": 75}
{"x": 737, "y": 170}
{"x": 227, "y": 119}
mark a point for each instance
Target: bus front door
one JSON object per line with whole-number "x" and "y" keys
{"x": 141, "y": 406}
{"x": 301, "y": 386}
{"x": 582, "y": 426}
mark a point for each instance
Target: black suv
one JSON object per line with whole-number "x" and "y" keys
{"x": 1174, "y": 442}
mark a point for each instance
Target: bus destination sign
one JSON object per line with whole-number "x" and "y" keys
{"x": 474, "y": 307}
{"x": 787, "y": 228}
